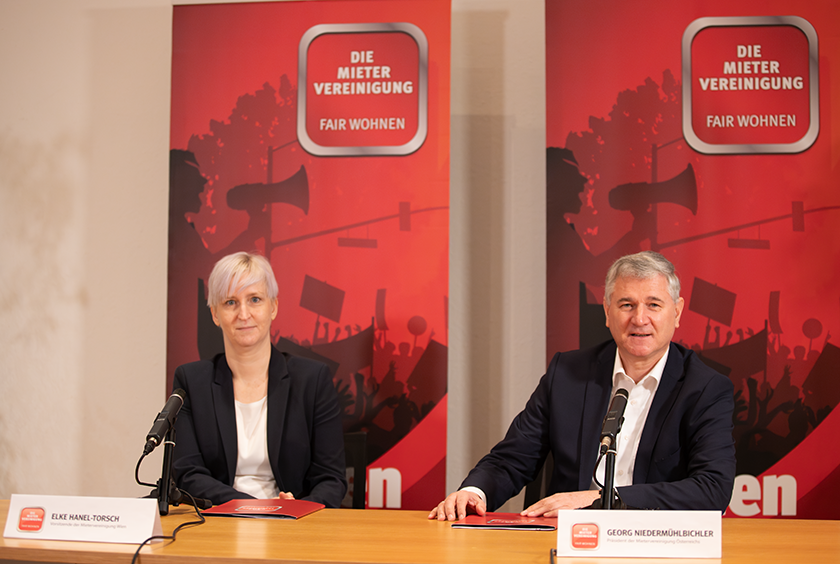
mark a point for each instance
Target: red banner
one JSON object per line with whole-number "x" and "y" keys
{"x": 317, "y": 133}
{"x": 704, "y": 130}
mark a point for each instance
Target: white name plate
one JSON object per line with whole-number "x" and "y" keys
{"x": 96, "y": 519}
{"x": 649, "y": 534}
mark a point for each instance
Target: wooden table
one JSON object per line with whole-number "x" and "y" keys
{"x": 378, "y": 536}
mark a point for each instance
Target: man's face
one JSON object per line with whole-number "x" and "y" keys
{"x": 642, "y": 318}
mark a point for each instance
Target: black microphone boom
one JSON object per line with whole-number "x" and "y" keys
{"x": 164, "y": 420}
{"x": 613, "y": 420}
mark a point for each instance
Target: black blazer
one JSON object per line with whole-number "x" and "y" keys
{"x": 686, "y": 455}
{"x": 305, "y": 438}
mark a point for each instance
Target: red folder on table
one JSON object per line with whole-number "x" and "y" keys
{"x": 265, "y": 508}
{"x": 507, "y": 521}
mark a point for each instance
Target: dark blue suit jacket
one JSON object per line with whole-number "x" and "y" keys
{"x": 305, "y": 438}
{"x": 686, "y": 455}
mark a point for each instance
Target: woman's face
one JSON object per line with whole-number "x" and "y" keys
{"x": 245, "y": 316}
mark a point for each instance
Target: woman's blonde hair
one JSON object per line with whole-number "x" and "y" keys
{"x": 239, "y": 270}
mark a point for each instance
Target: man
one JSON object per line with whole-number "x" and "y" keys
{"x": 675, "y": 450}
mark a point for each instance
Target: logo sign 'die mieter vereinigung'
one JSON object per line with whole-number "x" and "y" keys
{"x": 750, "y": 85}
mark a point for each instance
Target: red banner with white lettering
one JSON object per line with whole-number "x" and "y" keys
{"x": 707, "y": 130}
{"x": 317, "y": 133}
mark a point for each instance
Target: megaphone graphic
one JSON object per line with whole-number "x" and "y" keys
{"x": 637, "y": 196}
{"x": 252, "y": 197}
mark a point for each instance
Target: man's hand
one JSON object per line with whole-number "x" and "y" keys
{"x": 285, "y": 495}
{"x": 457, "y": 506}
{"x": 549, "y": 506}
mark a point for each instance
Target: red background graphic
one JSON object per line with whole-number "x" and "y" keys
{"x": 396, "y": 50}
{"x": 759, "y": 227}
{"x": 349, "y": 238}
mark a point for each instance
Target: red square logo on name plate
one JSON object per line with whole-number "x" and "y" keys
{"x": 31, "y": 520}
{"x": 585, "y": 536}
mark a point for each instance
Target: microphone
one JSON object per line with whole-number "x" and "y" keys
{"x": 164, "y": 421}
{"x": 613, "y": 420}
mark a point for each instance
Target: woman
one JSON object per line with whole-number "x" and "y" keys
{"x": 256, "y": 423}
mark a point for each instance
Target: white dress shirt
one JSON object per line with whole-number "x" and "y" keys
{"x": 640, "y": 397}
{"x": 253, "y": 469}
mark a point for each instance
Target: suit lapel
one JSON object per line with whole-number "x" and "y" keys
{"x": 278, "y": 400}
{"x": 595, "y": 403}
{"x": 225, "y": 412}
{"x": 663, "y": 401}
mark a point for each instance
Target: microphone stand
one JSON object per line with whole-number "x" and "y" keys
{"x": 607, "y": 494}
{"x": 167, "y": 492}
{"x": 165, "y": 481}
{"x": 609, "y": 479}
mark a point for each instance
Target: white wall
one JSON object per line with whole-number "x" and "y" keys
{"x": 497, "y": 225}
{"x": 84, "y": 124}
{"x": 83, "y": 203}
